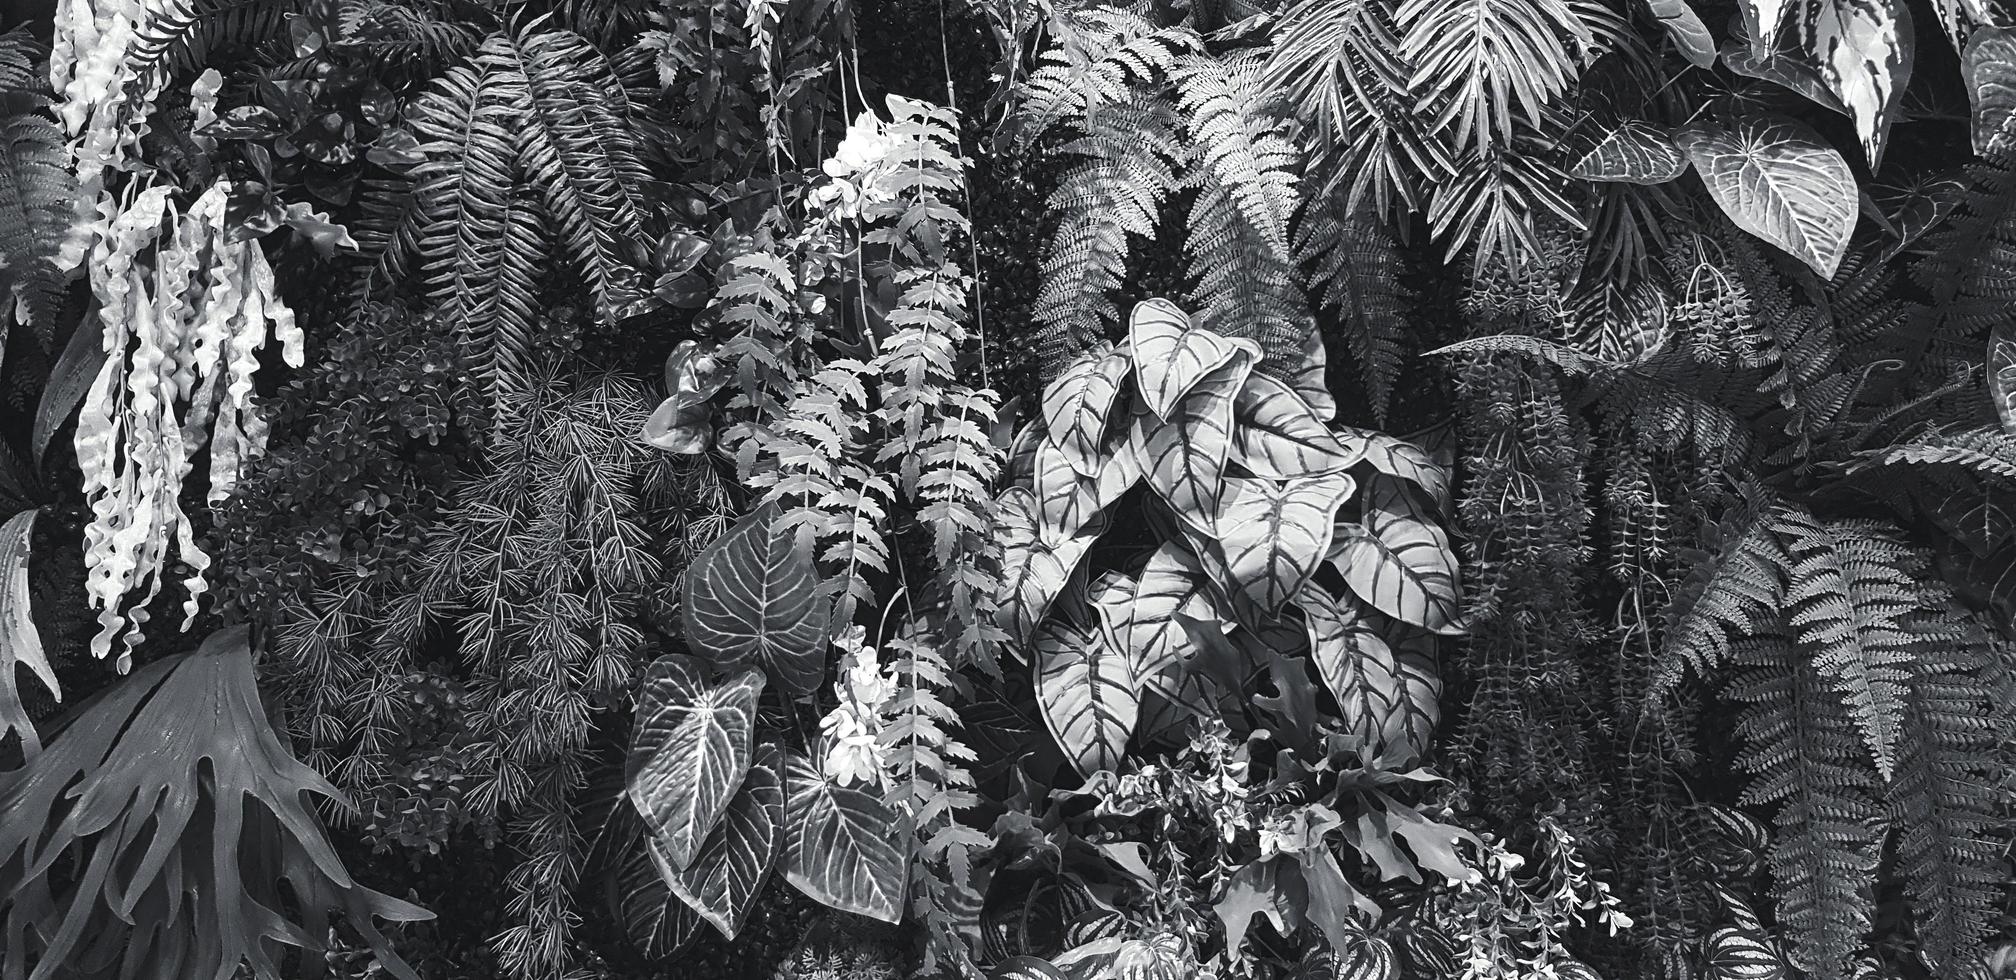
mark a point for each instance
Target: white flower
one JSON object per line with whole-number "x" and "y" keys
{"x": 852, "y": 754}
{"x": 864, "y": 145}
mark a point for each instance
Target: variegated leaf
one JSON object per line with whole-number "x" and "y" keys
{"x": 2002, "y": 373}
{"x": 1275, "y": 534}
{"x": 1311, "y": 379}
{"x": 1019, "y": 469}
{"x": 1356, "y": 664}
{"x": 1420, "y": 704}
{"x": 1399, "y": 562}
{"x": 1863, "y": 50}
{"x": 1089, "y": 695}
{"x": 1276, "y": 434}
{"x": 1070, "y": 500}
{"x": 1777, "y": 179}
{"x": 1141, "y": 620}
{"x": 722, "y": 882}
{"x": 752, "y": 595}
{"x": 1184, "y": 452}
{"x": 1632, "y": 152}
{"x": 689, "y": 751}
{"x": 1784, "y": 67}
{"x": 1991, "y": 87}
{"x": 1398, "y": 458}
{"x": 1078, "y": 406}
{"x": 1171, "y": 356}
{"x": 840, "y": 845}
{"x": 1033, "y": 571}
{"x": 20, "y": 642}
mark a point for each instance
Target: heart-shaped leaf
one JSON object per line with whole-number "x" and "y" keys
{"x": 1088, "y": 693}
{"x": 1419, "y": 708}
{"x": 1991, "y": 87}
{"x": 1776, "y": 179}
{"x": 1078, "y": 406}
{"x": 1171, "y": 356}
{"x": 1686, "y": 30}
{"x": 753, "y": 594}
{"x": 722, "y": 882}
{"x": 20, "y": 642}
{"x": 1275, "y": 534}
{"x": 1070, "y": 500}
{"x": 1781, "y": 67}
{"x": 1398, "y": 458}
{"x": 689, "y": 751}
{"x": 1142, "y": 621}
{"x": 1399, "y": 562}
{"x": 1276, "y": 434}
{"x": 1033, "y": 571}
{"x": 1184, "y": 452}
{"x": 654, "y": 921}
{"x": 840, "y": 845}
{"x": 2001, "y": 375}
{"x": 1632, "y": 152}
{"x": 1863, "y": 49}
{"x": 1374, "y": 693}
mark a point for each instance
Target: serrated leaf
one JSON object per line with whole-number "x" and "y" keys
{"x": 1632, "y": 152}
{"x": 20, "y": 642}
{"x": 840, "y": 845}
{"x": 1776, "y": 179}
{"x": 1088, "y": 692}
{"x": 1078, "y": 406}
{"x": 1068, "y": 499}
{"x": 1276, "y": 434}
{"x": 1171, "y": 356}
{"x": 2002, "y": 373}
{"x": 1991, "y": 88}
{"x": 722, "y": 882}
{"x": 1275, "y": 534}
{"x": 1033, "y": 571}
{"x": 1399, "y": 562}
{"x": 1183, "y": 454}
{"x": 1863, "y": 49}
{"x": 689, "y": 751}
{"x": 1686, "y": 30}
{"x": 753, "y": 595}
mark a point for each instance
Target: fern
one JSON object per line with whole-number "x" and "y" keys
{"x": 37, "y": 191}
{"x": 1355, "y": 267}
{"x": 930, "y": 787}
{"x": 1102, "y": 54}
{"x": 1971, "y": 268}
{"x": 1734, "y": 590}
{"x": 1846, "y": 607}
{"x": 1239, "y": 142}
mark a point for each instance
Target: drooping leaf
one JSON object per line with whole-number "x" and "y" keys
{"x": 689, "y": 751}
{"x": 2002, "y": 373}
{"x": 1358, "y": 667}
{"x": 1419, "y": 708}
{"x": 20, "y": 643}
{"x": 1275, "y": 534}
{"x": 1071, "y": 500}
{"x": 1991, "y": 87}
{"x": 1078, "y": 406}
{"x": 1632, "y": 152}
{"x": 82, "y": 359}
{"x": 1171, "y": 356}
{"x": 1334, "y": 903}
{"x": 1863, "y": 49}
{"x": 1089, "y": 695}
{"x": 1033, "y": 571}
{"x": 1777, "y": 179}
{"x": 1398, "y": 458}
{"x": 1276, "y": 434}
{"x": 1272, "y": 887}
{"x": 722, "y": 882}
{"x": 654, "y": 922}
{"x": 683, "y": 422}
{"x": 1025, "y": 967}
{"x": 753, "y": 595}
{"x": 1686, "y": 30}
{"x": 840, "y": 844}
{"x": 1184, "y": 453}
{"x": 1399, "y": 562}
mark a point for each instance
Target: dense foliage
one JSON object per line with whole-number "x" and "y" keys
{"x": 1013, "y": 490}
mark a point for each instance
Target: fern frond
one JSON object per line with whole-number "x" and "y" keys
{"x": 1355, "y": 267}
{"x": 37, "y": 200}
{"x": 1100, "y": 54}
{"x": 1245, "y": 285}
{"x": 1735, "y": 589}
{"x": 180, "y": 35}
{"x": 21, "y": 61}
{"x": 1971, "y": 271}
{"x": 1989, "y": 452}
{"x": 392, "y": 32}
{"x": 1238, "y": 141}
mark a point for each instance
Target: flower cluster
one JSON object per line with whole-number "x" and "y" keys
{"x": 853, "y": 728}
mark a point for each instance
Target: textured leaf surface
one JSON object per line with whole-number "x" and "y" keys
{"x": 1784, "y": 67}
{"x": 1184, "y": 456}
{"x": 1171, "y": 356}
{"x": 2002, "y": 373}
{"x": 1632, "y": 152}
{"x": 20, "y": 643}
{"x": 1398, "y": 458}
{"x": 1089, "y": 695}
{"x": 1686, "y": 30}
{"x": 1276, "y": 434}
{"x": 1033, "y": 572}
{"x": 722, "y": 882}
{"x": 1145, "y": 620}
{"x": 82, "y": 358}
{"x": 1778, "y": 180}
{"x": 689, "y": 751}
{"x": 840, "y": 846}
{"x": 1399, "y": 563}
{"x": 1275, "y": 534}
{"x": 1991, "y": 87}
{"x": 1078, "y": 406}
{"x": 1357, "y": 666}
{"x": 753, "y": 594}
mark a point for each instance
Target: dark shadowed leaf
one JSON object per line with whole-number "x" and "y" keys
{"x": 689, "y": 751}
{"x": 1782, "y": 68}
{"x": 2002, "y": 373}
{"x": 20, "y": 642}
{"x": 1398, "y": 458}
{"x": 1776, "y": 179}
{"x": 840, "y": 844}
{"x": 82, "y": 359}
{"x": 752, "y": 595}
{"x": 1632, "y": 152}
{"x": 722, "y": 882}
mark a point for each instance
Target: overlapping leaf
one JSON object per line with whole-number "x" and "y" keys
{"x": 753, "y": 595}
{"x": 1863, "y": 50}
{"x": 1399, "y": 562}
{"x": 722, "y": 882}
{"x": 2001, "y": 374}
{"x": 1033, "y": 571}
{"x": 689, "y": 751}
{"x": 840, "y": 845}
{"x": 1089, "y": 695}
{"x": 1078, "y": 406}
{"x": 1274, "y": 535}
{"x": 1069, "y": 500}
{"x": 1685, "y": 28}
{"x": 1780, "y": 181}
{"x": 1143, "y": 619}
{"x": 1632, "y": 152}
{"x": 20, "y": 643}
{"x": 1184, "y": 453}
{"x": 1276, "y": 434}
{"x": 1991, "y": 87}
{"x": 1171, "y": 356}
{"x": 1357, "y": 666}
{"x": 1398, "y": 458}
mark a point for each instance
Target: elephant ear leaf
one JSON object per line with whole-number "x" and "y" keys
{"x": 656, "y": 923}
{"x": 1399, "y": 562}
{"x": 752, "y": 595}
{"x": 722, "y": 882}
{"x": 1142, "y": 621}
{"x": 1171, "y": 356}
{"x": 1279, "y": 436}
{"x": 1273, "y": 535}
{"x": 840, "y": 845}
{"x": 1379, "y": 695}
{"x": 1071, "y": 500}
{"x": 1033, "y": 568}
{"x": 1399, "y": 459}
{"x": 689, "y": 751}
{"x": 1184, "y": 452}
{"x": 1777, "y": 179}
{"x": 1089, "y": 695}
{"x": 1079, "y": 404}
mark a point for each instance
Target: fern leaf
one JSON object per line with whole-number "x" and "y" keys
{"x": 1354, "y": 265}
{"x": 37, "y": 199}
{"x": 1100, "y": 54}
{"x": 1239, "y": 141}
{"x": 1245, "y": 286}
{"x": 1735, "y": 589}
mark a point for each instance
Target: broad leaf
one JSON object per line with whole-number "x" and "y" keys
{"x": 1399, "y": 562}
{"x": 2001, "y": 375}
{"x": 1778, "y": 180}
{"x": 1275, "y": 534}
{"x": 1632, "y": 152}
{"x": 1334, "y": 904}
{"x": 841, "y": 845}
{"x": 1184, "y": 453}
{"x": 1398, "y": 458}
{"x": 1033, "y": 572}
{"x": 20, "y": 642}
{"x": 753, "y": 595}
{"x": 689, "y": 751}
{"x": 1419, "y": 707}
{"x": 1863, "y": 49}
{"x": 1141, "y": 620}
{"x": 722, "y": 882}
{"x": 1375, "y": 693}
{"x": 1991, "y": 87}
{"x": 1171, "y": 356}
{"x": 1078, "y": 406}
{"x": 1068, "y": 499}
{"x": 1276, "y": 434}
{"x": 1272, "y": 887}
{"x": 1089, "y": 695}
{"x": 653, "y": 920}
{"x": 1782, "y": 67}
{"x": 1024, "y": 967}
{"x": 1311, "y": 379}
{"x": 1686, "y": 30}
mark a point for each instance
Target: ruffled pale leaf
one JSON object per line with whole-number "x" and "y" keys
{"x": 1991, "y": 87}
{"x": 689, "y": 751}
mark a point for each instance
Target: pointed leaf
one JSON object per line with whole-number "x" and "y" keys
{"x": 1863, "y": 49}
{"x": 1686, "y": 30}
{"x": 1778, "y": 180}
{"x": 654, "y": 921}
{"x": 722, "y": 882}
{"x": 1782, "y": 67}
{"x": 840, "y": 845}
{"x": 1991, "y": 87}
{"x": 1379, "y": 691}
{"x": 1272, "y": 887}
{"x": 1398, "y": 458}
{"x": 1399, "y": 563}
{"x": 1089, "y": 696}
{"x": 2001, "y": 373}
{"x": 1142, "y": 621}
{"x": 689, "y": 751}
{"x": 1033, "y": 571}
{"x": 1275, "y": 534}
{"x": 1071, "y": 500}
{"x": 20, "y": 643}
{"x": 1078, "y": 406}
{"x": 1311, "y": 379}
{"x": 1633, "y": 152}
{"x": 1185, "y": 455}
{"x": 1277, "y": 435}
{"x": 752, "y": 594}
{"x": 1171, "y": 356}
{"x": 82, "y": 359}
